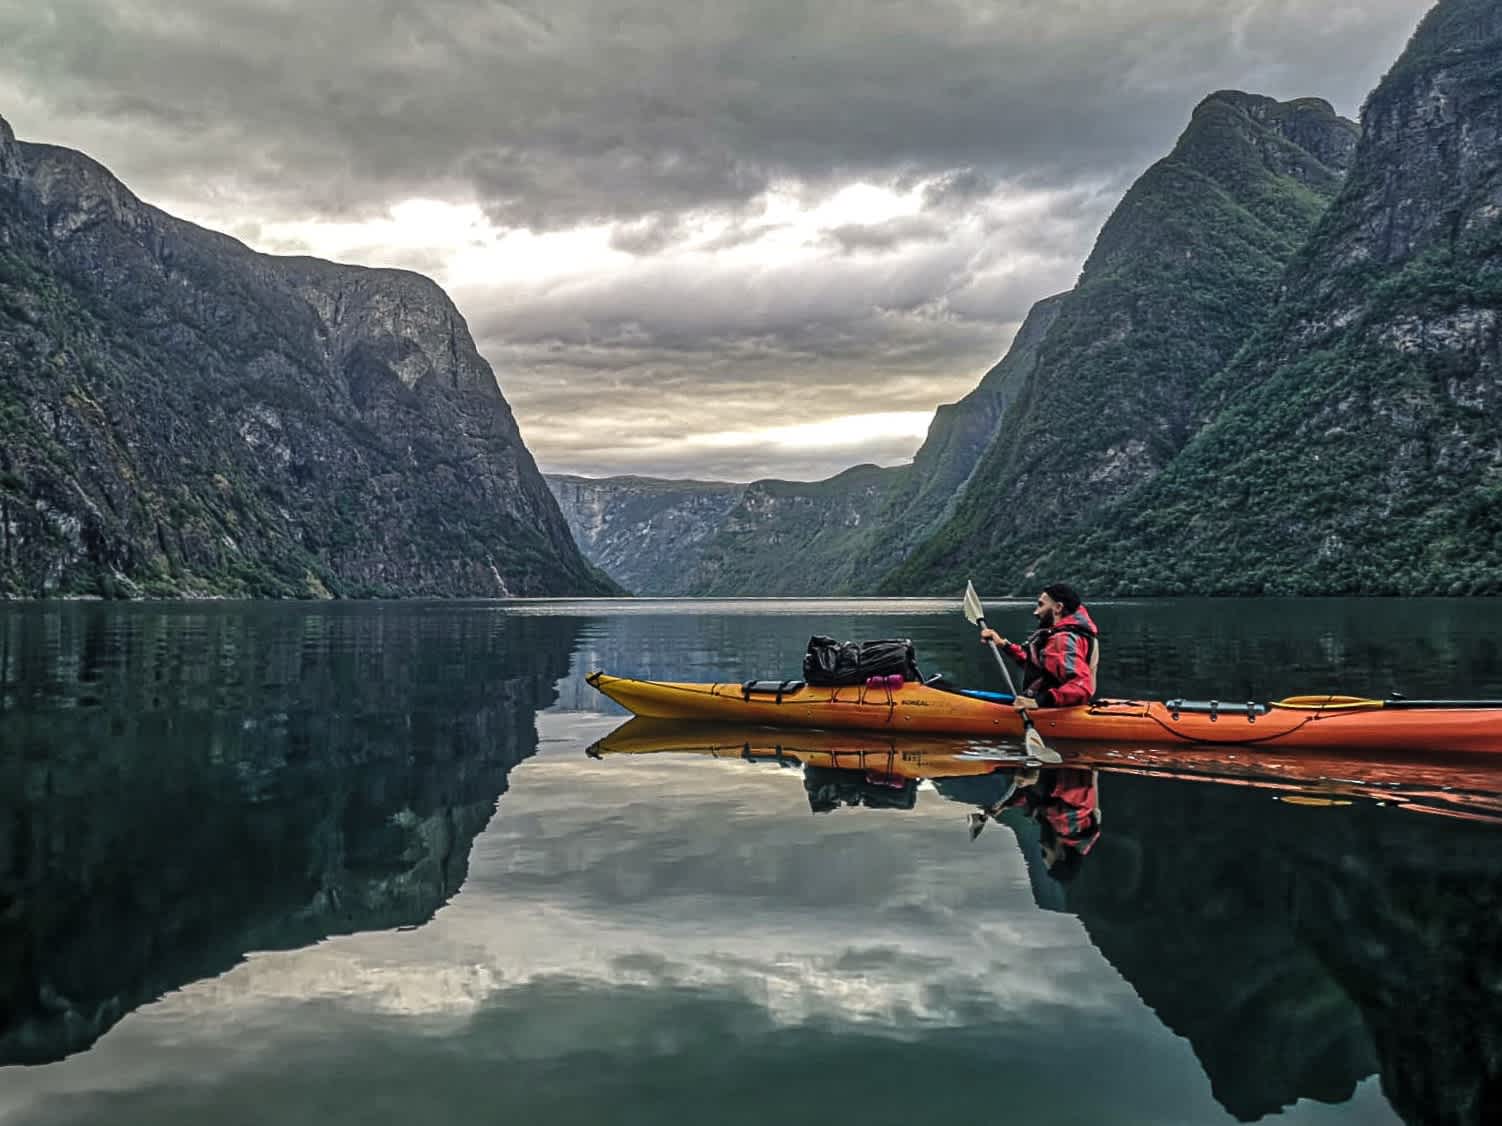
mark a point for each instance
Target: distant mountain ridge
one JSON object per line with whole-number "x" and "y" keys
{"x": 182, "y": 415}
{"x": 646, "y": 533}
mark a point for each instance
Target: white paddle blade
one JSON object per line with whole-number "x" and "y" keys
{"x": 974, "y": 611}
{"x": 1039, "y": 749}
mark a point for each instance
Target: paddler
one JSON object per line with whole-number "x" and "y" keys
{"x": 1060, "y": 657}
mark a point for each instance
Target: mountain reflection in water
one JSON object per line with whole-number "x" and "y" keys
{"x": 1285, "y": 914}
{"x": 178, "y": 789}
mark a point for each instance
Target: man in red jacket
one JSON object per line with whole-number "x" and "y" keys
{"x": 1060, "y": 657}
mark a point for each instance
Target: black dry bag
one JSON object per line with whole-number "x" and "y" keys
{"x": 836, "y": 663}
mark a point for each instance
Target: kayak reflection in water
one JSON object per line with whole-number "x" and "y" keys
{"x": 1063, "y": 801}
{"x": 829, "y": 788}
{"x": 1060, "y": 657}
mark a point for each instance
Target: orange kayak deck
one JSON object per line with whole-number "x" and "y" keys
{"x": 912, "y": 708}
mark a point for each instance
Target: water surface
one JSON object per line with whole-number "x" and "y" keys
{"x": 352, "y": 863}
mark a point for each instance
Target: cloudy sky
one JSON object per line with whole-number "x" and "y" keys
{"x": 730, "y": 239}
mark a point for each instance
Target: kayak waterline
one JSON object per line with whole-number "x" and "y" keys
{"x": 915, "y": 708}
{"x": 1467, "y": 787}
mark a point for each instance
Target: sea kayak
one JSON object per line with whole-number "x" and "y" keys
{"x": 1439, "y": 727}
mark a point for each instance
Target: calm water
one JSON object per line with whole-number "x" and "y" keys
{"x": 352, "y": 863}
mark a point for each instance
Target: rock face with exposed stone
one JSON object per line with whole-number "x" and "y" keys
{"x": 1354, "y": 446}
{"x": 182, "y": 415}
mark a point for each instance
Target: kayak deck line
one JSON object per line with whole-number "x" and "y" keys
{"x": 1297, "y": 721}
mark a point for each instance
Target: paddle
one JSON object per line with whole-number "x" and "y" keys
{"x": 975, "y": 614}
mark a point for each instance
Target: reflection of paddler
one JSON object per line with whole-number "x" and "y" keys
{"x": 1065, "y": 804}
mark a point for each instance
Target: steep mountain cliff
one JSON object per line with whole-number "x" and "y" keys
{"x": 645, "y": 533}
{"x": 179, "y": 414}
{"x": 1357, "y": 446}
{"x": 925, "y": 496}
{"x": 1186, "y": 266}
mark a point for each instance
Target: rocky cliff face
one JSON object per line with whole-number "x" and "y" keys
{"x": 1186, "y": 266}
{"x": 1355, "y": 446}
{"x": 646, "y": 534}
{"x": 927, "y": 495}
{"x": 179, "y": 414}
{"x": 203, "y": 783}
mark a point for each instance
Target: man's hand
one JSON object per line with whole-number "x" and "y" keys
{"x": 991, "y": 635}
{"x": 1024, "y": 703}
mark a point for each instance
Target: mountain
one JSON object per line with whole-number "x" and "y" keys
{"x": 647, "y": 534}
{"x": 1187, "y": 265}
{"x": 1356, "y": 445}
{"x": 960, "y": 434}
{"x": 795, "y": 537}
{"x": 840, "y": 535}
{"x": 182, "y": 415}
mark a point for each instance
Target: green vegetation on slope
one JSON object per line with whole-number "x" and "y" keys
{"x": 1187, "y": 264}
{"x": 1356, "y": 447}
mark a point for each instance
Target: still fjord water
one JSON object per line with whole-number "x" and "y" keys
{"x": 351, "y": 863}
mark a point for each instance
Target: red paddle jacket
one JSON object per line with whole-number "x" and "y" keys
{"x": 1057, "y": 662}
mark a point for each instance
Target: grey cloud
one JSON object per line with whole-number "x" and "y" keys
{"x": 1023, "y": 120}
{"x": 616, "y": 373}
{"x": 738, "y": 234}
{"x": 854, "y": 237}
{"x": 640, "y": 411}
{"x": 563, "y": 112}
{"x": 808, "y": 306}
{"x": 646, "y": 236}
{"x": 958, "y": 188}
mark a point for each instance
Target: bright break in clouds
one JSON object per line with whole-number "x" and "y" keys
{"x": 730, "y": 240}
